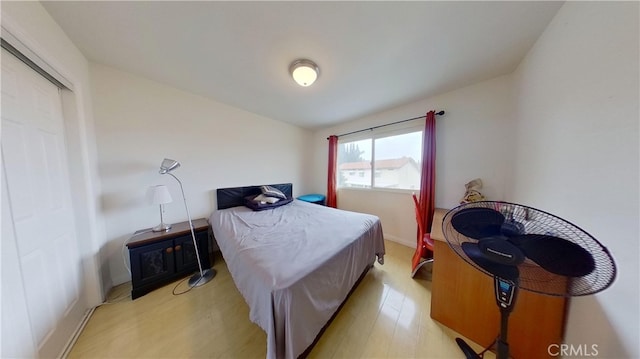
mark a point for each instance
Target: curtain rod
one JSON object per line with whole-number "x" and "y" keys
{"x": 439, "y": 113}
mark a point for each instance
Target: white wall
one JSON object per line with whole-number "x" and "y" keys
{"x": 32, "y": 25}
{"x": 473, "y": 140}
{"x": 140, "y": 122}
{"x": 577, "y": 153}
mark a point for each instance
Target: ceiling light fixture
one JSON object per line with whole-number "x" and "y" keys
{"x": 304, "y": 72}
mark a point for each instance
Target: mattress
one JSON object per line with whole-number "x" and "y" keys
{"x": 294, "y": 265}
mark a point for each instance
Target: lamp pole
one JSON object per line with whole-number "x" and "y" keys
{"x": 204, "y": 276}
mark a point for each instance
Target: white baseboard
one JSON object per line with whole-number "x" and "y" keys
{"x": 76, "y": 333}
{"x": 403, "y": 241}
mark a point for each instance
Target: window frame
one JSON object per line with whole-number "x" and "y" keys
{"x": 373, "y": 136}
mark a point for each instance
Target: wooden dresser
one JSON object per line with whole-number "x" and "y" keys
{"x": 463, "y": 299}
{"x": 158, "y": 258}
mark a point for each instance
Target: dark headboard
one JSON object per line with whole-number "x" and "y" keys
{"x": 234, "y": 196}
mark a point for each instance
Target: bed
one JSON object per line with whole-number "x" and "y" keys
{"x": 294, "y": 265}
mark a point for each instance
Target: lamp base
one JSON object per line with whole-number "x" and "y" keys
{"x": 162, "y": 227}
{"x": 197, "y": 280}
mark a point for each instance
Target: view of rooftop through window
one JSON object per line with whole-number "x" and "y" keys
{"x": 395, "y": 159}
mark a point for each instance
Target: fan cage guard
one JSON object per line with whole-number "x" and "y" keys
{"x": 532, "y": 277}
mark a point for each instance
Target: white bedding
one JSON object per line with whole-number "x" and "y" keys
{"x": 295, "y": 265}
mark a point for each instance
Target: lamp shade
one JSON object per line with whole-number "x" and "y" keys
{"x": 159, "y": 195}
{"x": 304, "y": 72}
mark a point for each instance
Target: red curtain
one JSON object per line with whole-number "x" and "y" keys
{"x": 331, "y": 173}
{"x": 428, "y": 181}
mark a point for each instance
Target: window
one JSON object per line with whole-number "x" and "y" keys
{"x": 394, "y": 159}
{"x": 354, "y": 164}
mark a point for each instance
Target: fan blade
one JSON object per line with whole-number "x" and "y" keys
{"x": 473, "y": 252}
{"x": 556, "y": 255}
{"x": 512, "y": 228}
{"x": 499, "y": 250}
{"x": 477, "y": 222}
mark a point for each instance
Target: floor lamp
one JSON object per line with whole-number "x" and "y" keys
{"x": 203, "y": 276}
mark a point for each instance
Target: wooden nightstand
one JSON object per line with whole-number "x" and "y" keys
{"x": 158, "y": 258}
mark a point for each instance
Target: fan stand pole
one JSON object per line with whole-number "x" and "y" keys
{"x": 502, "y": 345}
{"x": 506, "y": 294}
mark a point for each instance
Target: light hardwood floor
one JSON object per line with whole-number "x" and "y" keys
{"x": 387, "y": 316}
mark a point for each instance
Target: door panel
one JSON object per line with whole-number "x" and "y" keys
{"x": 17, "y": 340}
{"x": 13, "y": 137}
{"x": 38, "y": 294}
{"x": 153, "y": 262}
{"x": 38, "y": 196}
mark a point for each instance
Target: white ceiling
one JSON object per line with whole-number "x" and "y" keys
{"x": 372, "y": 55}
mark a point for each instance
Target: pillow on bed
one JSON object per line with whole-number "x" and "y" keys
{"x": 272, "y": 192}
{"x": 265, "y": 199}
{"x": 251, "y": 202}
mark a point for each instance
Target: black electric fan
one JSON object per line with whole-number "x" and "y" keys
{"x": 525, "y": 248}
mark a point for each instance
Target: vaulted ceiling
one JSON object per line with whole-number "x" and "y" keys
{"x": 372, "y": 55}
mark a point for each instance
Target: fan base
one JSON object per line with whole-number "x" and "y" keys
{"x": 502, "y": 349}
{"x": 466, "y": 349}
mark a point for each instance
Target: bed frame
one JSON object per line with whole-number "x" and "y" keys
{"x": 234, "y": 196}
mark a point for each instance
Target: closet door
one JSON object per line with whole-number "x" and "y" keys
{"x": 41, "y": 303}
